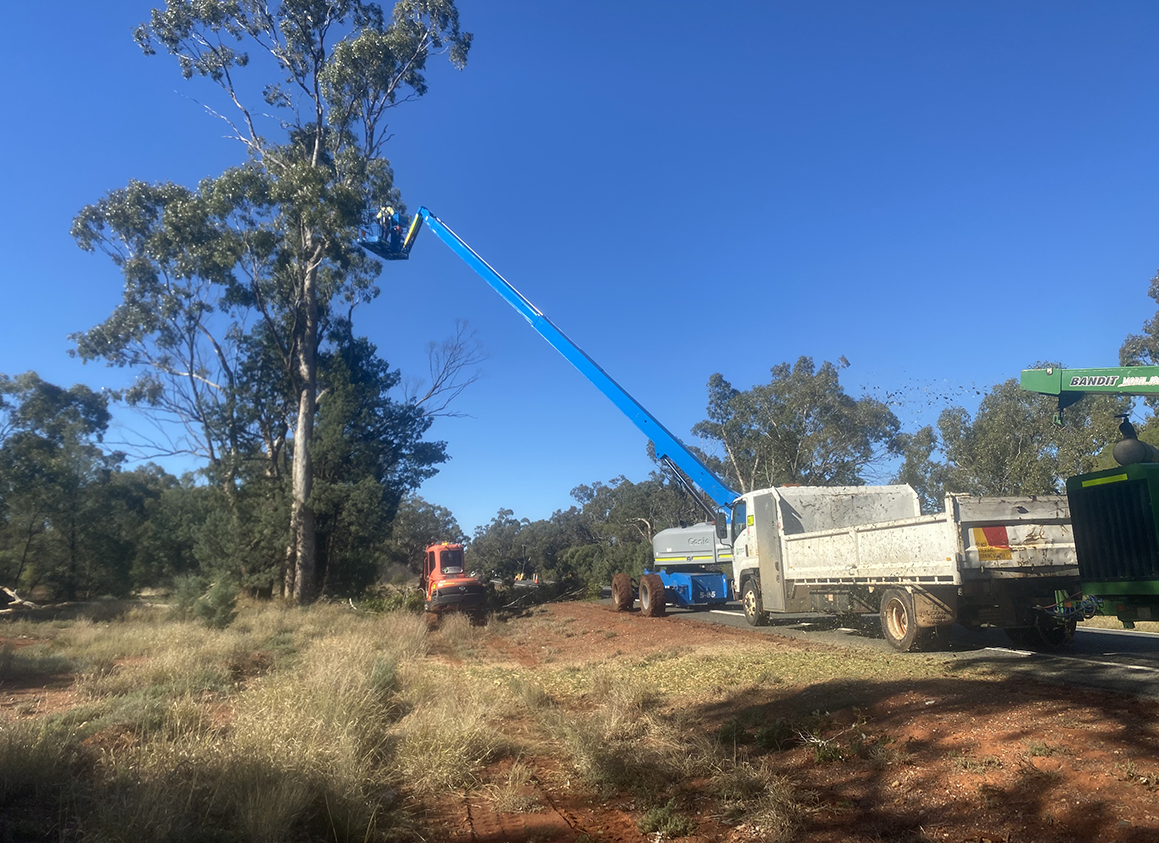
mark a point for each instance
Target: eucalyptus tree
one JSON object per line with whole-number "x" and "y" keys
{"x": 230, "y": 287}
{"x": 800, "y": 427}
{"x": 55, "y": 530}
{"x": 418, "y": 524}
{"x": 1012, "y": 446}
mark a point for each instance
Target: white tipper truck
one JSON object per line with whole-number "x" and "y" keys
{"x": 983, "y": 562}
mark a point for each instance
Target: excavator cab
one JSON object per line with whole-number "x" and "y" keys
{"x": 445, "y": 583}
{"x": 388, "y": 233}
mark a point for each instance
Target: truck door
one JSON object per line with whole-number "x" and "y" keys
{"x": 766, "y": 539}
{"x": 428, "y": 564}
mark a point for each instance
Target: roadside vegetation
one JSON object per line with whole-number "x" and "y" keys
{"x": 333, "y": 723}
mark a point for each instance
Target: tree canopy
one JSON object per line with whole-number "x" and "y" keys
{"x": 1010, "y": 446}
{"x": 800, "y": 427}
{"x": 233, "y": 289}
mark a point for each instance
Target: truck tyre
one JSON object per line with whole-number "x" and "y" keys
{"x": 899, "y": 623}
{"x": 652, "y": 596}
{"x": 751, "y": 600}
{"x": 622, "y": 598}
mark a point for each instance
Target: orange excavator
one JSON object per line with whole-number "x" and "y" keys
{"x": 446, "y": 585}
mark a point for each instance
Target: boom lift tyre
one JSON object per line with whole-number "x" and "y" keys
{"x": 622, "y": 598}
{"x": 751, "y": 600}
{"x": 652, "y": 601}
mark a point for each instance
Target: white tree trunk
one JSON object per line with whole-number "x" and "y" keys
{"x": 302, "y": 526}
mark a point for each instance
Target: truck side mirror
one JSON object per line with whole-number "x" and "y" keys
{"x": 721, "y": 522}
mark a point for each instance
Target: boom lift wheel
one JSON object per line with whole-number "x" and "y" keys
{"x": 899, "y": 623}
{"x": 622, "y": 599}
{"x": 751, "y": 600}
{"x": 652, "y": 596}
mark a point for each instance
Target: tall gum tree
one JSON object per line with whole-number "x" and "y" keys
{"x": 268, "y": 246}
{"x": 801, "y": 427}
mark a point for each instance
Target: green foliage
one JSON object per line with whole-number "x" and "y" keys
{"x": 388, "y": 598}
{"x": 187, "y": 590}
{"x": 368, "y": 453}
{"x": 417, "y": 525}
{"x": 218, "y": 607}
{"x": 69, "y": 524}
{"x": 1143, "y": 349}
{"x": 800, "y": 427}
{"x": 919, "y": 468}
{"x": 1011, "y": 446}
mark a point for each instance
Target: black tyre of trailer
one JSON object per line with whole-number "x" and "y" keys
{"x": 750, "y": 599}
{"x": 622, "y": 598}
{"x": 652, "y": 600}
{"x": 899, "y": 623}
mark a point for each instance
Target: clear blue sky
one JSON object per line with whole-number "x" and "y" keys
{"x": 943, "y": 193}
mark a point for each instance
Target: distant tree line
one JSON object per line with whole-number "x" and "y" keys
{"x": 75, "y": 522}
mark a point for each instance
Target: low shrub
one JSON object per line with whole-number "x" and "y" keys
{"x": 218, "y": 607}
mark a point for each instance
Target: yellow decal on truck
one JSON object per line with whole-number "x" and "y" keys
{"x": 1099, "y": 481}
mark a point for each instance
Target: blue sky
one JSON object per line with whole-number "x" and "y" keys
{"x": 943, "y": 193}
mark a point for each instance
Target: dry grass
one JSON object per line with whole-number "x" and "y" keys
{"x": 322, "y": 723}
{"x": 281, "y": 726}
{"x": 1110, "y": 622}
{"x": 450, "y": 731}
{"x": 511, "y": 796}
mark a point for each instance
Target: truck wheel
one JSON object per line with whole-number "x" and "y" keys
{"x": 652, "y": 596}
{"x": 1021, "y": 636}
{"x": 622, "y": 599}
{"x": 751, "y": 600}
{"x": 899, "y": 623}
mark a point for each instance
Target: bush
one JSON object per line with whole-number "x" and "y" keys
{"x": 390, "y": 598}
{"x": 218, "y": 607}
{"x": 187, "y": 590}
{"x": 664, "y": 820}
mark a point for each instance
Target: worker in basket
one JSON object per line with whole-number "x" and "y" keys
{"x": 391, "y": 223}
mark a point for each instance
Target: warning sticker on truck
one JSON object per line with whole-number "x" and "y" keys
{"x": 993, "y": 544}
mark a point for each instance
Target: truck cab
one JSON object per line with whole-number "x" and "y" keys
{"x": 446, "y": 585}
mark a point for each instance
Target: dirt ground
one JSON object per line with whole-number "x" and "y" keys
{"x": 967, "y": 760}
{"x": 961, "y": 758}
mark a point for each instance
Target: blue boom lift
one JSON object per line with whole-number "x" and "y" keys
{"x": 688, "y": 582}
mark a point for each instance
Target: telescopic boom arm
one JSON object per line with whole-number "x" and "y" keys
{"x": 666, "y": 444}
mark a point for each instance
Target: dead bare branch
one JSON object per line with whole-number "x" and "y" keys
{"x": 453, "y": 366}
